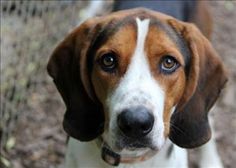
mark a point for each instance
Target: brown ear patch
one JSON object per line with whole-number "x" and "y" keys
{"x": 83, "y": 119}
{"x": 190, "y": 127}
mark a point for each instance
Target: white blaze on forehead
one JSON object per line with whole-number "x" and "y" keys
{"x": 138, "y": 87}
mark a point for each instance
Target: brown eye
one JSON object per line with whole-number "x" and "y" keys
{"x": 169, "y": 64}
{"x": 108, "y": 62}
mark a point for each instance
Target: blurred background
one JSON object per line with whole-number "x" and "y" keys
{"x": 31, "y": 133}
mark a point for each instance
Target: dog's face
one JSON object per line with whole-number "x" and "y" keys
{"x": 139, "y": 77}
{"x": 135, "y": 78}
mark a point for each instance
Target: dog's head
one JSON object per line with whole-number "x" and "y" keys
{"x": 137, "y": 77}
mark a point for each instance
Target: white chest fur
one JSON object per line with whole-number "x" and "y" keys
{"x": 88, "y": 155}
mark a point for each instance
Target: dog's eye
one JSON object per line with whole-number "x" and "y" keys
{"x": 169, "y": 64}
{"x": 108, "y": 62}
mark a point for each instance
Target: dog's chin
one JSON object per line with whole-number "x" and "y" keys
{"x": 134, "y": 146}
{"x": 127, "y": 151}
{"x": 128, "y": 146}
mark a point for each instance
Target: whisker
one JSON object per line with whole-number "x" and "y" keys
{"x": 175, "y": 127}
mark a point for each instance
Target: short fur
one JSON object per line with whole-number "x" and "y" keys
{"x": 84, "y": 87}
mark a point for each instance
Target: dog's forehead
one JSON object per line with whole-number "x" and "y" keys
{"x": 110, "y": 25}
{"x": 106, "y": 26}
{"x": 117, "y": 23}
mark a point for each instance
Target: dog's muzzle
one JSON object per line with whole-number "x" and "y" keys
{"x": 134, "y": 124}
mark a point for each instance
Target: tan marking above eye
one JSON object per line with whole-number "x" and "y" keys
{"x": 122, "y": 45}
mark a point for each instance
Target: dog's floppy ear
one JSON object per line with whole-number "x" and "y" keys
{"x": 83, "y": 119}
{"x": 206, "y": 77}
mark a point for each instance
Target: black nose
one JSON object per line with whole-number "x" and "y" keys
{"x": 135, "y": 122}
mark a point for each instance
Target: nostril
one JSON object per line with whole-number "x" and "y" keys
{"x": 135, "y": 122}
{"x": 145, "y": 127}
{"x": 124, "y": 123}
{"x": 147, "y": 123}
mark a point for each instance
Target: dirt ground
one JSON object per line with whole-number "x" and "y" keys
{"x": 41, "y": 141}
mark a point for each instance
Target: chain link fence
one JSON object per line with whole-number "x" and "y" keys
{"x": 30, "y": 31}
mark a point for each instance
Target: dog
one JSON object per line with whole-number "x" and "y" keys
{"x": 138, "y": 85}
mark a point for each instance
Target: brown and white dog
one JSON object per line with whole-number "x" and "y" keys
{"x": 131, "y": 81}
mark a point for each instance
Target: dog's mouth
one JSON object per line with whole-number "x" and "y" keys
{"x": 132, "y": 144}
{"x": 134, "y": 152}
